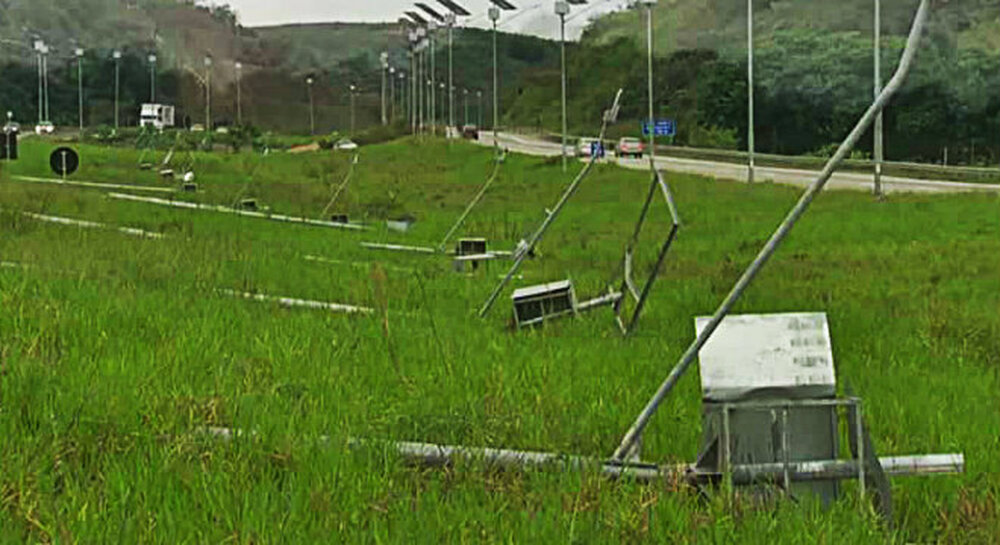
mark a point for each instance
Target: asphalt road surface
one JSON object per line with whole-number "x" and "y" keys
{"x": 738, "y": 172}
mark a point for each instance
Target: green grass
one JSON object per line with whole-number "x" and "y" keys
{"x": 115, "y": 352}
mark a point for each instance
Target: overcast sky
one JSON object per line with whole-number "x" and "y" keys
{"x": 533, "y": 16}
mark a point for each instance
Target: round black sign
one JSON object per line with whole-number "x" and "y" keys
{"x": 64, "y": 161}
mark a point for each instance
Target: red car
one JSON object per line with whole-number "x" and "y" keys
{"x": 631, "y": 147}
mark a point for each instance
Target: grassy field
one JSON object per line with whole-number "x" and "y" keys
{"x": 116, "y": 351}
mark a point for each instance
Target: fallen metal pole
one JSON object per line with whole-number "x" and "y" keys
{"x": 906, "y": 62}
{"x": 525, "y": 249}
{"x": 398, "y": 248}
{"x": 289, "y": 302}
{"x": 472, "y": 204}
{"x": 228, "y": 210}
{"x": 94, "y": 225}
{"x": 434, "y": 455}
{"x": 94, "y": 185}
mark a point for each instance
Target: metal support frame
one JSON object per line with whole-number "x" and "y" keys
{"x": 628, "y": 285}
{"x": 905, "y": 64}
{"x": 526, "y": 247}
{"x": 340, "y": 188}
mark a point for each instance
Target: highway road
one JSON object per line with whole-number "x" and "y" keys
{"x": 738, "y": 172}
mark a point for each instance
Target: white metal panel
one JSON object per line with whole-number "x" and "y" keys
{"x": 749, "y": 353}
{"x": 541, "y": 289}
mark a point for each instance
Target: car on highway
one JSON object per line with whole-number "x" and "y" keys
{"x": 585, "y": 147}
{"x": 345, "y": 145}
{"x": 12, "y": 127}
{"x": 470, "y": 132}
{"x": 45, "y": 127}
{"x": 631, "y": 147}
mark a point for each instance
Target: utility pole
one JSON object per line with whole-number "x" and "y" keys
{"x": 117, "y": 56}
{"x": 878, "y": 149}
{"x": 239, "y": 93}
{"x": 152, "y": 78}
{"x": 494, "y": 14}
{"x": 208, "y": 93}
{"x": 562, "y": 9}
{"x": 384, "y": 57}
{"x": 79, "y": 81}
{"x": 750, "y": 121}
{"x": 312, "y": 108}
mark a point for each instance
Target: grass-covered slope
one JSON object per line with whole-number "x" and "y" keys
{"x": 115, "y": 352}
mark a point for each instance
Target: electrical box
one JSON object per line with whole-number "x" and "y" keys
{"x": 471, "y": 246}
{"x": 248, "y": 204}
{"x": 339, "y": 218}
{"x": 768, "y": 389}
{"x": 535, "y": 304}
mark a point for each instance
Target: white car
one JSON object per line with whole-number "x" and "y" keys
{"x": 345, "y": 144}
{"x": 585, "y": 146}
{"x": 45, "y": 127}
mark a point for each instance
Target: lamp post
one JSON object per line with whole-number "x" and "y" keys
{"x": 312, "y": 109}
{"x": 402, "y": 94}
{"x": 750, "y": 118}
{"x": 45, "y": 81}
{"x": 117, "y": 56}
{"x": 650, "y": 4}
{"x": 353, "y": 89}
{"x": 79, "y": 81}
{"x": 421, "y": 75}
{"x": 39, "y": 45}
{"x": 208, "y": 93}
{"x": 392, "y": 94}
{"x": 878, "y": 145}
{"x": 562, "y": 9}
{"x": 384, "y": 58}
{"x": 465, "y": 94}
{"x": 494, "y": 14}
{"x": 239, "y": 93}
{"x": 431, "y": 29}
{"x": 152, "y": 78}
{"x": 450, "y": 21}
{"x": 479, "y": 95}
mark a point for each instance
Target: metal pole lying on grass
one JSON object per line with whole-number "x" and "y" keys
{"x": 906, "y": 62}
{"x": 472, "y": 204}
{"x": 341, "y": 187}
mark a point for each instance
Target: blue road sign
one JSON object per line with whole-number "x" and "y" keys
{"x": 663, "y": 127}
{"x": 597, "y": 149}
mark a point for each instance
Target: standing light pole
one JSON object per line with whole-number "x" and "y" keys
{"x": 39, "y": 46}
{"x": 650, "y": 4}
{"x": 479, "y": 109}
{"x": 465, "y": 94}
{"x": 494, "y": 14}
{"x": 402, "y": 95}
{"x": 878, "y": 149}
{"x": 392, "y": 94}
{"x": 450, "y": 20}
{"x": 79, "y": 81}
{"x": 312, "y": 106}
{"x": 239, "y": 93}
{"x": 384, "y": 58}
{"x": 353, "y": 89}
{"x": 751, "y": 147}
{"x": 152, "y": 79}
{"x": 431, "y": 29}
{"x": 411, "y": 104}
{"x": 562, "y": 9}
{"x": 117, "y": 56}
{"x": 208, "y": 93}
{"x": 421, "y": 75}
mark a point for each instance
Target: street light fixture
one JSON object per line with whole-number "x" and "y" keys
{"x": 494, "y": 14}
{"x": 384, "y": 58}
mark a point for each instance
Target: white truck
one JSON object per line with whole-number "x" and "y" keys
{"x": 158, "y": 116}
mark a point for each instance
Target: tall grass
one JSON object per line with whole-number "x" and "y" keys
{"x": 115, "y": 352}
